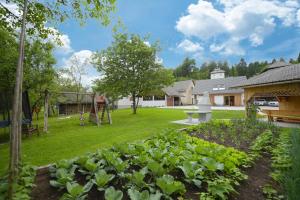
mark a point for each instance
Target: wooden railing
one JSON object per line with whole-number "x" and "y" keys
{"x": 282, "y": 115}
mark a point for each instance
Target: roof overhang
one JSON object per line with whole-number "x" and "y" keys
{"x": 268, "y": 84}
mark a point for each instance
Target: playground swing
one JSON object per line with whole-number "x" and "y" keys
{"x": 27, "y": 126}
{"x": 99, "y": 104}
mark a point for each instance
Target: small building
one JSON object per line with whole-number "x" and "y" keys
{"x": 72, "y": 103}
{"x": 180, "y": 93}
{"x": 219, "y": 89}
{"x": 280, "y": 80}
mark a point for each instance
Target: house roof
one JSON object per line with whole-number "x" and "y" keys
{"x": 217, "y": 70}
{"x": 178, "y": 88}
{"x": 276, "y": 65}
{"x": 71, "y": 98}
{"x": 276, "y": 73}
{"x": 226, "y": 83}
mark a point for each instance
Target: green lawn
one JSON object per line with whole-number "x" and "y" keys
{"x": 67, "y": 139}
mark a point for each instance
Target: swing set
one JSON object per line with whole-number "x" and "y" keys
{"x": 5, "y": 107}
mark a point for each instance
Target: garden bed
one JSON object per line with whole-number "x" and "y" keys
{"x": 168, "y": 166}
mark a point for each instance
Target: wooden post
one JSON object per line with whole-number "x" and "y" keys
{"x": 46, "y": 108}
{"x": 96, "y": 110}
{"x": 16, "y": 131}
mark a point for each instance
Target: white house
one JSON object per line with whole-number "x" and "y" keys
{"x": 219, "y": 89}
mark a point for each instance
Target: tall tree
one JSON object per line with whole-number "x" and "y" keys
{"x": 241, "y": 68}
{"x": 298, "y": 59}
{"x": 129, "y": 68}
{"x": 76, "y": 71}
{"x": 186, "y": 69}
{"x": 38, "y": 14}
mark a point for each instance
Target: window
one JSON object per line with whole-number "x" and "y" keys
{"x": 219, "y": 87}
{"x": 147, "y": 98}
{"x": 162, "y": 97}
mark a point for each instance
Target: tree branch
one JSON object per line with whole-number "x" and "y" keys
{"x": 9, "y": 12}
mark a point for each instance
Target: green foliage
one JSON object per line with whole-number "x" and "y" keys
{"x": 136, "y": 74}
{"x": 137, "y": 178}
{"x": 76, "y": 191}
{"x": 102, "y": 179}
{"x": 112, "y": 194}
{"x": 263, "y": 143}
{"x": 193, "y": 172}
{"x": 286, "y": 163}
{"x": 62, "y": 177}
{"x": 169, "y": 186}
{"x": 24, "y": 184}
{"x": 54, "y": 12}
{"x": 156, "y": 168}
{"x": 270, "y": 193}
{"x": 218, "y": 188}
{"x": 144, "y": 195}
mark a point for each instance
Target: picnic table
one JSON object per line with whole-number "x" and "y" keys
{"x": 203, "y": 116}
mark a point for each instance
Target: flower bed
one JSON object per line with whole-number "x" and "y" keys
{"x": 164, "y": 167}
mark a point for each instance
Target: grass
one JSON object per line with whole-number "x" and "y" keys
{"x": 67, "y": 139}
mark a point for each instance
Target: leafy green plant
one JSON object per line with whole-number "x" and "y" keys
{"x": 211, "y": 164}
{"x": 169, "y": 186}
{"x": 137, "y": 178}
{"x": 63, "y": 176}
{"x": 76, "y": 191}
{"x": 219, "y": 187}
{"x": 270, "y": 193}
{"x": 144, "y": 195}
{"x": 156, "y": 168}
{"x": 112, "y": 194}
{"x": 102, "y": 179}
{"x": 193, "y": 172}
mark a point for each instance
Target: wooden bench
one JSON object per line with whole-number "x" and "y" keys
{"x": 283, "y": 115}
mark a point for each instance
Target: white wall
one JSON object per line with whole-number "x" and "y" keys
{"x": 219, "y": 100}
{"x": 217, "y": 75}
{"x": 153, "y": 103}
{"x": 126, "y": 103}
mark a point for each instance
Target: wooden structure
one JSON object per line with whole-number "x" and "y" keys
{"x": 70, "y": 103}
{"x": 282, "y": 81}
{"x": 27, "y": 126}
{"x": 100, "y": 104}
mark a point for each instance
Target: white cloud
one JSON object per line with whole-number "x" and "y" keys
{"x": 229, "y": 47}
{"x": 251, "y": 20}
{"x": 84, "y": 58}
{"x": 12, "y": 7}
{"x": 61, "y": 42}
{"x": 189, "y": 46}
{"x": 298, "y": 17}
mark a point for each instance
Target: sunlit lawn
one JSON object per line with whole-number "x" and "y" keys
{"x": 67, "y": 139}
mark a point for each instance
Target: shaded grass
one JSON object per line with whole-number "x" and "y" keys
{"x": 67, "y": 139}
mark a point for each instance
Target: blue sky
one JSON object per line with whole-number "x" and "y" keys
{"x": 204, "y": 30}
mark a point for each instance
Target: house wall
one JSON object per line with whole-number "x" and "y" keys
{"x": 125, "y": 102}
{"x": 70, "y": 109}
{"x": 219, "y": 99}
{"x": 153, "y": 103}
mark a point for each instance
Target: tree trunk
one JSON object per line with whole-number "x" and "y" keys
{"x": 134, "y": 104}
{"x": 15, "y": 133}
{"x": 46, "y": 110}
